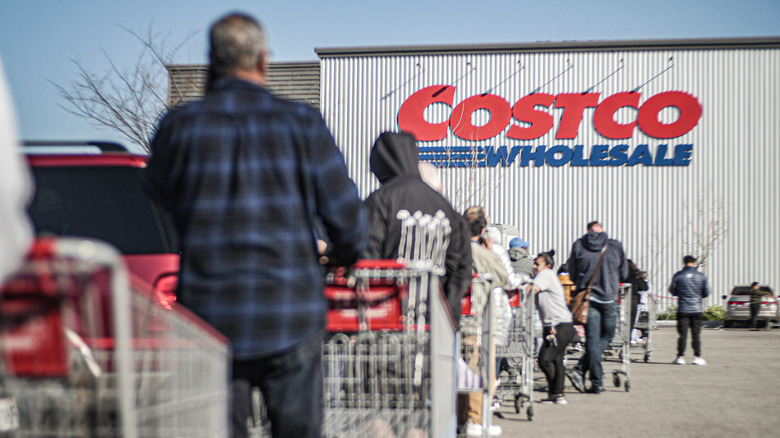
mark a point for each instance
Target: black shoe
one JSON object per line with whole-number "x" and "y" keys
{"x": 595, "y": 390}
{"x": 576, "y": 379}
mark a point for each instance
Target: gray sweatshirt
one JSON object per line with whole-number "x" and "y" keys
{"x": 550, "y": 300}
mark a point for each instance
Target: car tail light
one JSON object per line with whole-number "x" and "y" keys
{"x": 734, "y": 303}
{"x": 165, "y": 290}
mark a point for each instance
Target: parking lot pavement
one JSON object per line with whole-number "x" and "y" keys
{"x": 737, "y": 394}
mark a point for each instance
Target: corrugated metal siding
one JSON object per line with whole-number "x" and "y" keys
{"x": 657, "y": 212}
{"x": 186, "y": 83}
{"x": 296, "y": 81}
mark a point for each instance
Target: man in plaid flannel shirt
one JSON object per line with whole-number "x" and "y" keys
{"x": 247, "y": 177}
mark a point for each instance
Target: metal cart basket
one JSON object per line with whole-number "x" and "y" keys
{"x": 389, "y": 326}
{"x": 520, "y": 356}
{"x": 88, "y": 352}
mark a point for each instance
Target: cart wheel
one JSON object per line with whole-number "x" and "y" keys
{"x": 616, "y": 380}
{"x": 627, "y": 386}
{"x": 530, "y": 412}
{"x": 518, "y": 403}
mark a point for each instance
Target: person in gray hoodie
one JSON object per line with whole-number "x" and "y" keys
{"x": 602, "y": 316}
{"x": 522, "y": 262}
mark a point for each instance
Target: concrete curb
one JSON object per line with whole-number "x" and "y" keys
{"x": 672, "y": 322}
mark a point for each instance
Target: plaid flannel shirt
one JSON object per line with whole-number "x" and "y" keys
{"x": 246, "y": 176}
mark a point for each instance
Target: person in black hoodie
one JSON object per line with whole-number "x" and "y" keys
{"x": 394, "y": 161}
{"x": 602, "y": 316}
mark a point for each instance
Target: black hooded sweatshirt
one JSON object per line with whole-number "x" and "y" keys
{"x": 393, "y": 160}
{"x": 582, "y": 263}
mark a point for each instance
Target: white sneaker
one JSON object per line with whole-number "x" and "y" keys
{"x": 680, "y": 360}
{"x": 699, "y": 361}
{"x": 475, "y": 430}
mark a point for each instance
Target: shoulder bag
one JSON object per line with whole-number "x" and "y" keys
{"x": 581, "y": 302}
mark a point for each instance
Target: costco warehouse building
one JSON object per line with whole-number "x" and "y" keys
{"x": 672, "y": 145}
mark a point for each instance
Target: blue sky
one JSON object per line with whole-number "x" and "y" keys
{"x": 39, "y": 39}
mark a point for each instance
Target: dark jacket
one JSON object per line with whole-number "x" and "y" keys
{"x": 394, "y": 159}
{"x": 582, "y": 263}
{"x": 757, "y": 295}
{"x": 637, "y": 278}
{"x": 690, "y": 287}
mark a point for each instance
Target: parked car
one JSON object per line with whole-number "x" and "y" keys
{"x": 738, "y": 306}
{"x": 95, "y": 190}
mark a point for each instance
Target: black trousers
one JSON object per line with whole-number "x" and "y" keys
{"x": 291, "y": 384}
{"x": 634, "y": 308}
{"x": 551, "y": 356}
{"x": 754, "y": 309}
{"x": 686, "y": 321}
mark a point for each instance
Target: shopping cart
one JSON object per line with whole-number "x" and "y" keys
{"x": 646, "y": 323}
{"x": 620, "y": 348}
{"x": 520, "y": 356}
{"x": 88, "y": 352}
{"x": 478, "y": 349}
{"x": 388, "y": 326}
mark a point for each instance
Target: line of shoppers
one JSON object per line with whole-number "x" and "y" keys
{"x": 249, "y": 177}
{"x": 246, "y": 215}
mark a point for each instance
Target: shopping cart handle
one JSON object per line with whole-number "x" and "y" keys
{"x": 42, "y": 248}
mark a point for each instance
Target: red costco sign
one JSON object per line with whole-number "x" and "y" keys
{"x": 533, "y": 112}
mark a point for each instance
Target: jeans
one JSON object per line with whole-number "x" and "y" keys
{"x": 551, "y": 356}
{"x": 291, "y": 384}
{"x": 692, "y": 321}
{"x": 599, "y": 331}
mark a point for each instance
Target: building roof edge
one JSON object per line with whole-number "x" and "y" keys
{"x": 562, "y": 46}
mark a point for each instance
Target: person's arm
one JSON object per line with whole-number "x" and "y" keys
{"x": 337, "y": 202}
{"x": 513, "y": 279}
{"x": 377, "y": 215}
{"x": 500, "y": 275}
{"x": 623, "y": 263}
{"x": 706, "y": 288}
{"x": 458, "y": 261}
{"x": 673, "y": 286}
{"x": 165, "y": 164}
{"x": 571, "y": 264}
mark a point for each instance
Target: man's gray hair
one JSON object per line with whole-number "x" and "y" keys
{"x": 236, "y": 41}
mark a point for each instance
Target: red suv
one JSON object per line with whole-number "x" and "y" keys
{"x": 95, "y": 190}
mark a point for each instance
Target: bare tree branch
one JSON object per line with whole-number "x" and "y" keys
{"x": 129, "y": 101}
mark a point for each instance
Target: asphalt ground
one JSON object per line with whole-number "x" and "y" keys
{"x": 737, "y": 394}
